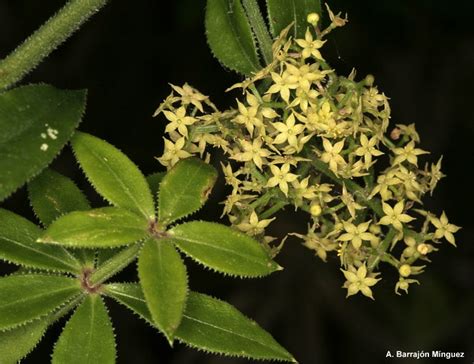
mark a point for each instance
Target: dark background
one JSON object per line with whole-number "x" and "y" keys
{"x": 422, "y": 56}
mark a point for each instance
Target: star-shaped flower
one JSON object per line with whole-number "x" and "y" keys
{"x": 281, "y": 177}
{"x": 310, "y": 46}
{"x": 357, "y": 234}
{"x": 288, "y": 131}
{"x": 358, "y": 281}
{"x": 444, "y": 228}
{"x": 178, "y": 120}
{"x": 395, "y": 216}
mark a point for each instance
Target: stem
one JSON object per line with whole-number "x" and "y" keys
{"x": 351, "y": 186}
{"x": 46, "y": 39}
{"x": 115, "y": 264}
{"x": 382, "y": 248}
{"x": 272, "y": 210}
{"x": 254, "y": 15}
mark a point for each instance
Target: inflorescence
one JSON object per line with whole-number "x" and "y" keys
{"x": 305, "y": 136}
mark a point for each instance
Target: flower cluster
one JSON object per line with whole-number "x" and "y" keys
{"x": 302, "y": 135}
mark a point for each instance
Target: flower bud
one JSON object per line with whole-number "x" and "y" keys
{"x": 315, "y": 209}
{"x": 423, "y": 249}
{"x": 375, "y": 229}
{"x": 313, "y": 19}
{"x": 404, "y": 270}
{"x": 369, "y": 80}
{"x": 409, "y": 251}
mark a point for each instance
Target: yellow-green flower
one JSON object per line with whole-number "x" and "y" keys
{"x": 281, "y": 177}
{"x": 283, "y": 84}
{"x": 356, "y": 234}
{"x": 358, "y": 281}
{"x": 190, "y": 95}
{"x": 395, "y": 216}
{"x": 408, "y": 153}
{"x": 348, "y": 200}
{"x": 248, "y": 117}
{"x": 367, "y": 149}
{"x": 178, "y": 120}
{"x": 302, "y": 190}
{"x": 384, "y": 182}
{"x": 252, "y": 152}
{"x": 173, "y": 152}
{"x": 310, "y": 46}
{"x": 288, "y": 131}
{"x": 253, "y": 225}
{"x": 331, "y": 155}
{"x": 410, "y": 131}
{"x": 444, "y": 228}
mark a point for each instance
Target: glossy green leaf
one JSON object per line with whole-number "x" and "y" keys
{"x": 18, "y": 342}
{"x": 36, "y": 121}
{"x": 185, "y": 189}
{"x": 53, "y": 195}
{"x": 26, "y": 297}
{"x": 230, "y": 37}
{"x": 98, "y": 228}
{"x": 282, "y": 12}
{"x": 18, "y": 245}
{"x": 209, "y": 324}
{"x": 88, "y": 337}
{"x": 222, "y": 248}
{"x": 164, "y": 281}
{"x": 113, "y": 174}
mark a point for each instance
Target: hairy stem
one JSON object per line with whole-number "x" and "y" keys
{"x": 260, "y": 29}
{"x": 115, "y": 264}
{"x": 46, "y": 39}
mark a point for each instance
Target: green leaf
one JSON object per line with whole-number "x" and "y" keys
{"x": 154, "y": 181}
{"x": 36, "y": 121}
{"x": 165, "y": 284}
{"x": 222, "y": 248}
{"x": 130, "y": 295}
{"x": 24, "y": 298}
{"x": 18, "y": 245}
{"x": 208, "y": 324}
{"x": 53, "y": 195}
{"x": 88, "y": 337}
{"x": 230, "y": 37}
{"x": 104, "y": 227}
{"x": 185, "y": 189}
{"x": 113, "y": 175}
{"x": 17, "y": 343}
{"x": 218, "y": 327}
{"x": 282, "y": 12}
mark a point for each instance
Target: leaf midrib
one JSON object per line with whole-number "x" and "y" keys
{"x": 230, "y": 332}
{"x": 31, "y": 298}
{"x": 40, "y": 252}
{"x": 247, "y": 257}
{"x": 236, "y": 35}
{"x": 124, "y": 187}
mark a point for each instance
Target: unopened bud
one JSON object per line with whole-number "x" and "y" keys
{"x": 375, "y": 229}
{"x": 315, "y": 210}
{"x": 369, "y": 80}
{"x": 313, "y": 19}
{"x": 423, "y": 249}
{"x": 404, "y": 270}
{"x": 395, "y": 134}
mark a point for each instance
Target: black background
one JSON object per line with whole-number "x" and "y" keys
{"x": 422, "y": 56}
